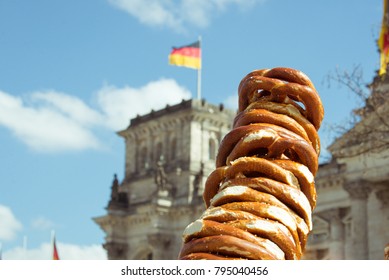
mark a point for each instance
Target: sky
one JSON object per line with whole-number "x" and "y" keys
{"x": 73, "y": 73}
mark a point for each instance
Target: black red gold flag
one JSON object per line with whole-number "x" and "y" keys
{"x": 186, "y": 56}
{"x": 383, "y": 41}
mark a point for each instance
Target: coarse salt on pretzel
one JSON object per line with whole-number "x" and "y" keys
{"x": 261, "y": 195}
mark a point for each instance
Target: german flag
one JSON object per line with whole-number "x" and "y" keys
{"x": 383, "y": 41}
{"x": 186, "y": 56}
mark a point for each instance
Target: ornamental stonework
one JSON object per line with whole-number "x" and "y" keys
{"x": 170, "y": 152}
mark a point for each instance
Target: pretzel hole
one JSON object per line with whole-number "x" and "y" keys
{"x": 254, "y": 174}
{"x": 260, "y": 152}
{"x": 262, "y": 93}
{"x": 301, "y": 104}
{"x": 292, "y": 155}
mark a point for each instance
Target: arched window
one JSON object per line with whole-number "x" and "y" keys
{"x": 212, "y": 149}
{"x": 158, "y": 151}
{"x": 173, "y": 149}
{"x": 143, "y": 161}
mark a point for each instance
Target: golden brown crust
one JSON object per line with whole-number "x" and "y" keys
{"x": 273, "y": 231}
{"x": 293, "y": 198}
{"x": 304, "y": 177}
{"x": 212, "y": 184}
{"x": 243, "y": 194}
{"x": 273, "y": 141}
{"x": 258, "y": 166}
{"x": 203, "y": 227}
{"x": 292, "y": 112}
{"x": 229, "y": 246}
{"x": 250, "y": 116}
{"x": 280, "y": 83}
{"x": 206, "y": 256}
{"x": 261, "y": 195}
{"x": 268, "y": 212}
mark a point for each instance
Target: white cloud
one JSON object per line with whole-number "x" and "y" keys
{"x": 177, "y": 14}
{"x": 44, "y": 127}
{"x": 65, "y": 252}
{"x": 152, "y": 12}
{"x": 50, "y": 121}
{"x": 9, "y": 225}
{"x": 121, "y": 104}
{"x": 231, "y": 102}
{"x": 70, "y": 106}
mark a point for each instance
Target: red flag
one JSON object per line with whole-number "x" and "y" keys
{"x": 187, "y": 56}
{"x": 55, "y": 251}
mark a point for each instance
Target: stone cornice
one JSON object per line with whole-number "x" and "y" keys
{"x": 171, "y": 117}
{"x": 329, "y": 182}
{"x": 382, "y": 194}
{"x": 334, "y": 214}
{"x": 358, "y": 189}
{"x": 110, "y": 220}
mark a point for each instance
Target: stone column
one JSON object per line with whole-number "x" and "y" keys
{"x": 336, "y": 247}
{"x": 161, "y": 242}
{"x": 382, "y": 194}
{"x": 359, "y": 192}
{"x": 116, "y": 250}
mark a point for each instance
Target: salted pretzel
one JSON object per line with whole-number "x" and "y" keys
{"x": 261, "y": 194}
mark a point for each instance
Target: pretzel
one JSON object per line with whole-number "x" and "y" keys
{"x": 204, "y": 227}
{"x": 266, "y": 140}
{"x": 205, "y": 256}
{"x": 282, "y": 83}
{"x": 227, "y": 245}
{"x": 261, "y": 194}
{"x": 283, "y": 115}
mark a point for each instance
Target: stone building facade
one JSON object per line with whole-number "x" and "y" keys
{"x": 170, "y": 152}
{"x": 351, "y": 220}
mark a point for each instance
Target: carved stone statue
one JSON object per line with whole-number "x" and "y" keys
{"x": 160, "y": 177}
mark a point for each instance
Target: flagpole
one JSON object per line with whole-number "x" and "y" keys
{"x": 54, "y": 251}
{"x": 52, "y": 242}
{"x": 199, "y": 73}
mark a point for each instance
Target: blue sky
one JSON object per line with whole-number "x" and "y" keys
{"x": 72, "y": 73}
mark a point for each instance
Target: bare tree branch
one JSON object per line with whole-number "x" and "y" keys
{"x": 368, "y": 126}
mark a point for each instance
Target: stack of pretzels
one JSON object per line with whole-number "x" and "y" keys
{"x": 261, "y": 195}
